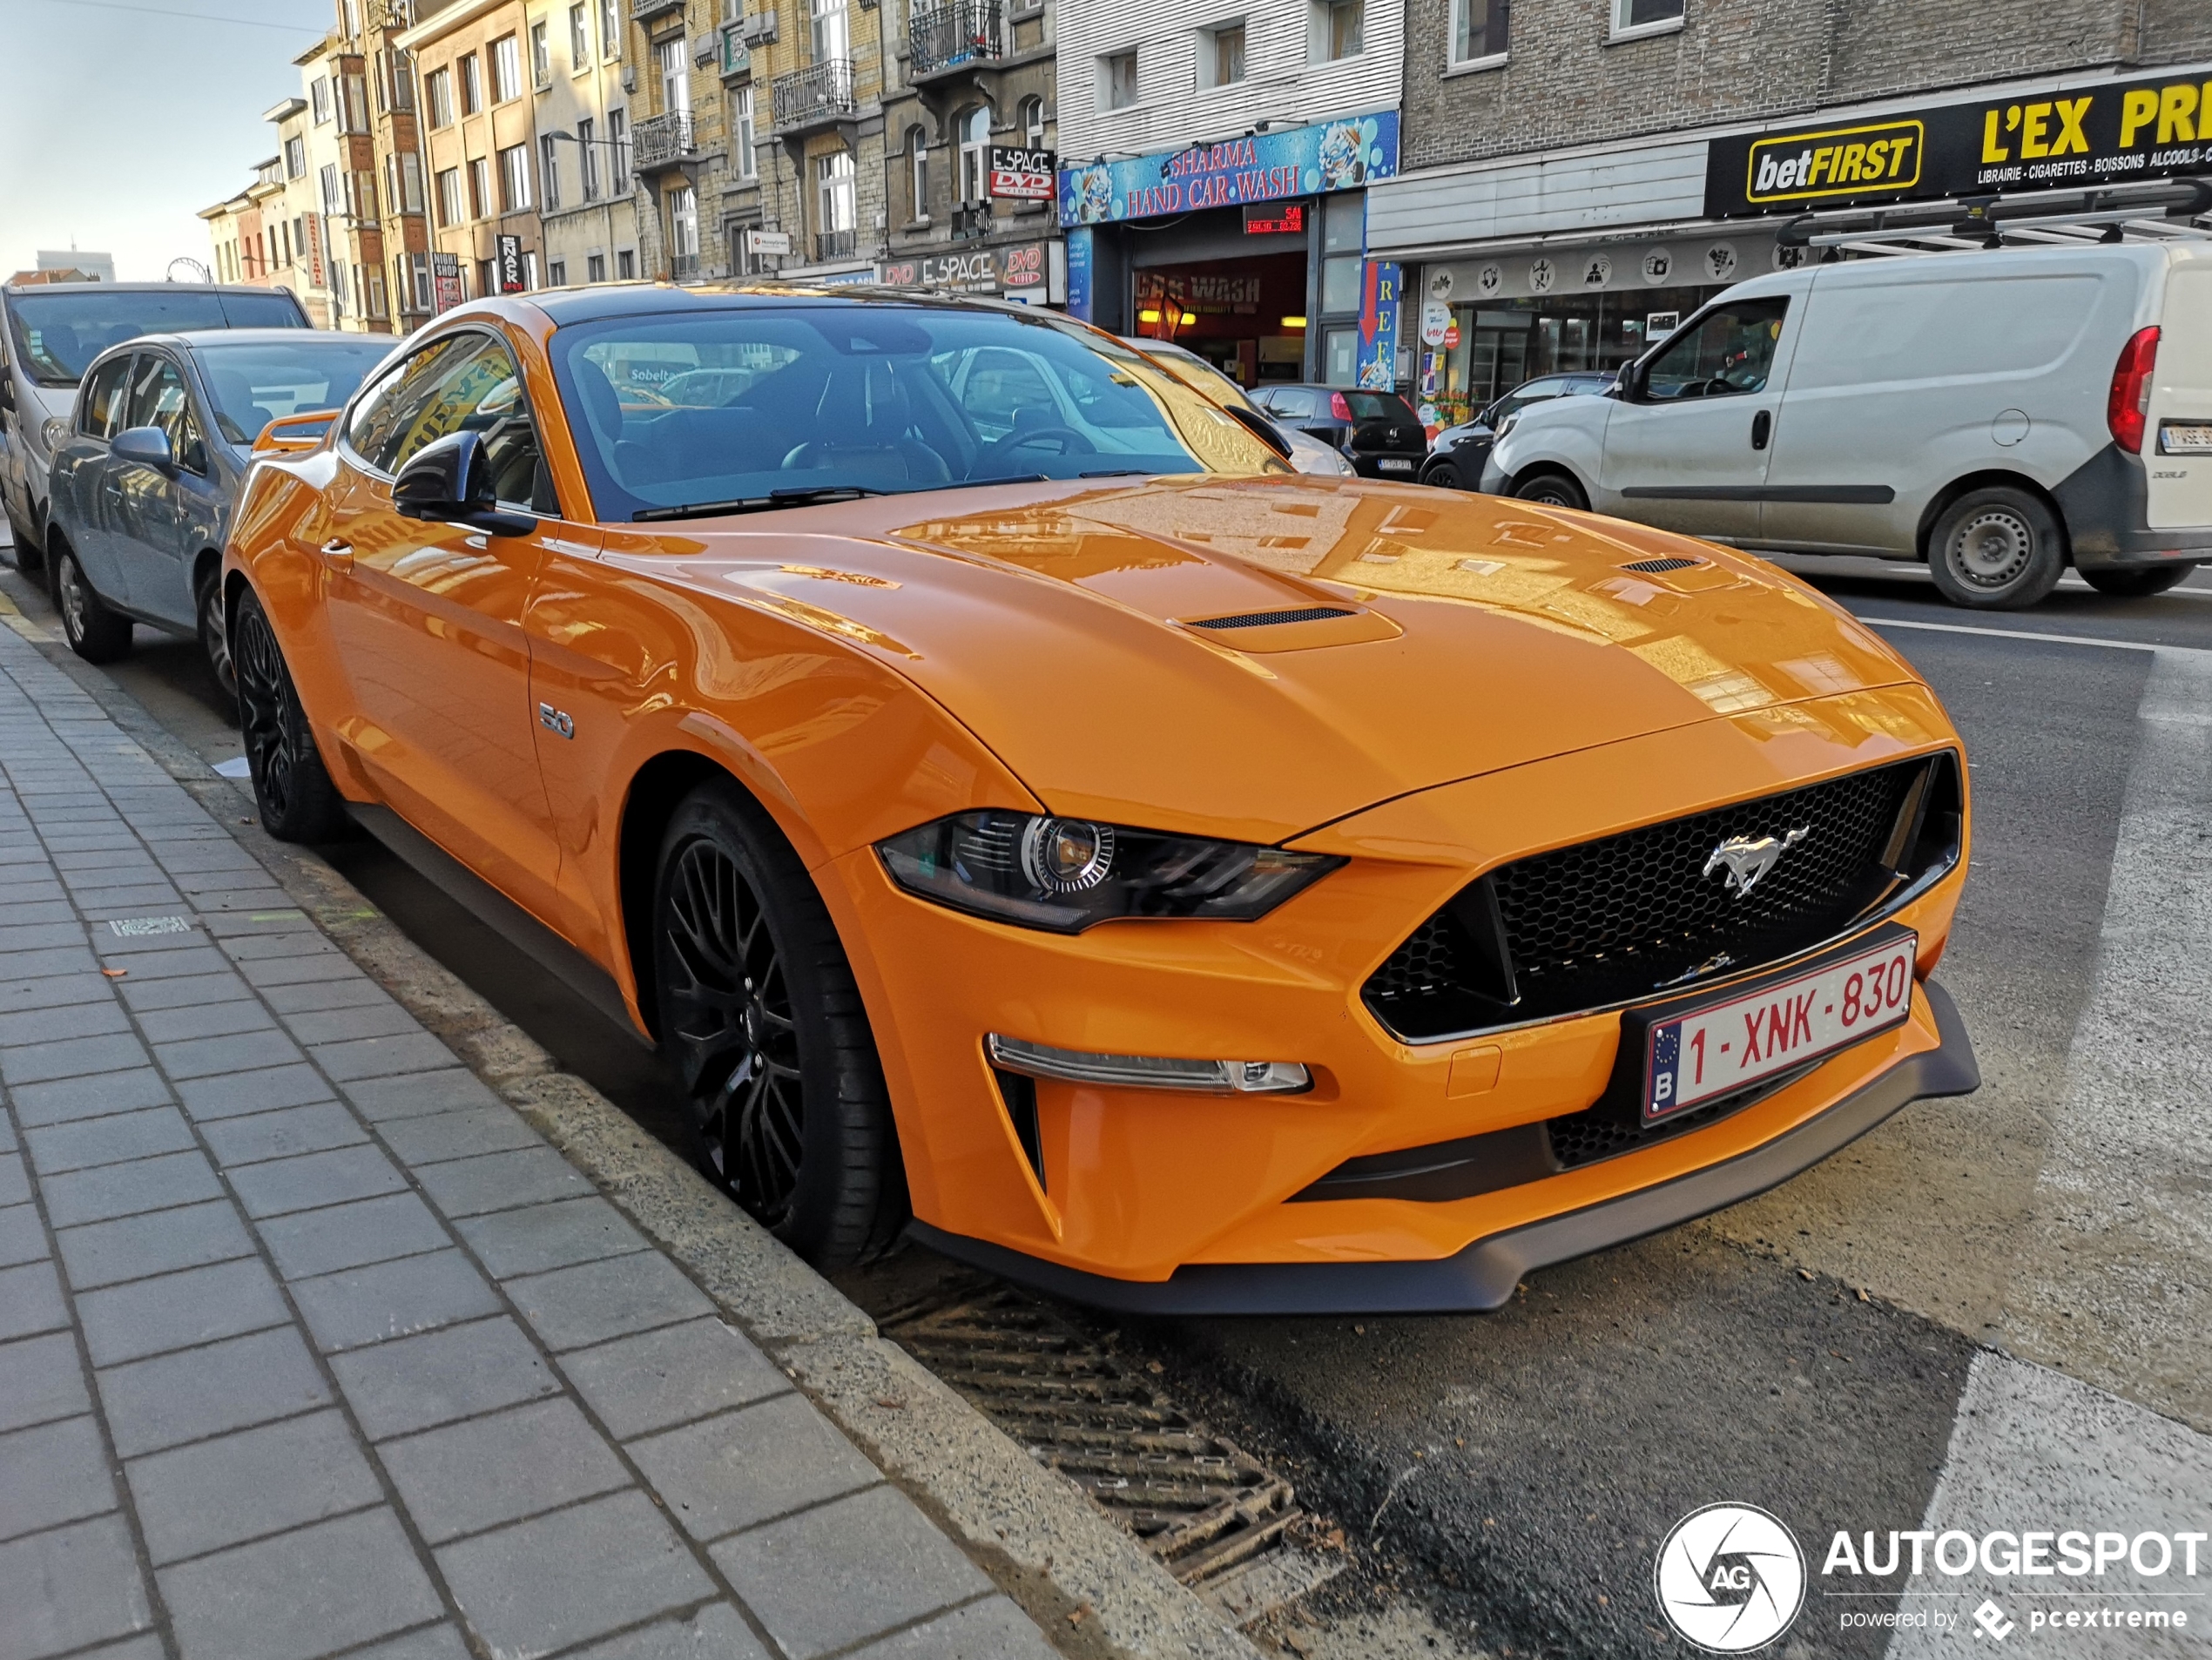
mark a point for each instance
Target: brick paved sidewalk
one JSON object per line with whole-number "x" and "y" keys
{"x": 310, "y": 1346}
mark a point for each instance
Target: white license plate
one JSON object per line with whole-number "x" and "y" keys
{"x": 1394, "y": 464}
{"x": 1720, "y": 1048}
{"x": 2185, "y": 438}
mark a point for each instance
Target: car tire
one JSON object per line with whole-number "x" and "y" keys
{"x": 1443, "y": 476}
{"x": 1997, "y": 549}
{"x": 291, "y": 787}
{"x": 759, "y": 1012}
{"x": 2140, "y": 582}
{"x": 95, "y": 632}
{"x": 214, "y": 634}
{"x": 1553, "y": 490}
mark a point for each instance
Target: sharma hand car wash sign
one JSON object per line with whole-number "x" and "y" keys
{"x": 2157, "y": 126}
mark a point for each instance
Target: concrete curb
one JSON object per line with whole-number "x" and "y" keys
{"x": 1097, "y": 1593}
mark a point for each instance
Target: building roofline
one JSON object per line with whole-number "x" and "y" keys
{"x": 437, "y": 26}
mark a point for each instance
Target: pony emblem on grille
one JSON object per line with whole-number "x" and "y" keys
{"x": 1748, "y": 859}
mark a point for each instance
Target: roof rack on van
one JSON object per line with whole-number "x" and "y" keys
{"x": 2163, "y": 210}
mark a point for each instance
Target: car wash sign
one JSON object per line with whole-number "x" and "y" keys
{"x": 2110, "y": 133}
{"x": 1348, "y": 154}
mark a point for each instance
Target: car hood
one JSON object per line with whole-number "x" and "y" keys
{"x": 1058, "y": 622}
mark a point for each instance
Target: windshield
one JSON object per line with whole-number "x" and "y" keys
{"x": 757, "y": 405}
{"x": 61, "y": 330}
{"x": 253, "y": 385}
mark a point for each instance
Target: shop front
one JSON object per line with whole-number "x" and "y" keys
{"x": 1251, "y": 252}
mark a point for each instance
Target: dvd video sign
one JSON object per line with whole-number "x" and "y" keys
{"x": 1023, "y": 175}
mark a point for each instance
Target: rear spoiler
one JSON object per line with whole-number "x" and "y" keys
{"x": 290, "y": 434}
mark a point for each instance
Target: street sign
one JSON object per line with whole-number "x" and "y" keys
{"x": 508, "y": 264}
{"x": 1023, "y": 175}
{"x": 772, "y": 242}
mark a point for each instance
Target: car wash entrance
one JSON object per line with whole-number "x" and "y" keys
{"x": 1244, "y": 315}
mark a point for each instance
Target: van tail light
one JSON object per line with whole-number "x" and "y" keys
{"x": 2127, "y": 410}
{"x": 1340, "y": 407}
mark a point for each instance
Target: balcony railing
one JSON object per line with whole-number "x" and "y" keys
{"x": 836, "y": 244}
{"x": 642, "y": 9}
{"x": 970, "y": 220}
{"x": 662, "y": 141}
{"x": 944, "y": 38}
{"x": 683, "y": 267}
{"x": 814, "y": 96}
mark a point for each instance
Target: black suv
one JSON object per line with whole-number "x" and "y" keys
{"x": 1455, "y": 461}
{"x": 1378, "y": 432}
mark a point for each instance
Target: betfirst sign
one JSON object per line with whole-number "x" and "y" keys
{"x": 2156, "y": 127}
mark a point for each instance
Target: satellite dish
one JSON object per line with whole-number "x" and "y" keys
{"x": 195, "y": 270}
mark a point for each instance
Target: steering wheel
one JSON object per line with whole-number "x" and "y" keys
{"x": 1071, "y": 442}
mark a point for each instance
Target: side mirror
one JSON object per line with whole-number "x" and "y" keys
{"x": 448, "y": 480}
{"x": 148, "y": 446}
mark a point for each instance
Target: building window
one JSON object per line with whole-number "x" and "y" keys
{"x": 832, "y": 37}
{"x": 403, "y": 183}
{"x": 549, "y": 174}
{"x": 627, "y": 265}
{"x": 506, "y": 68}
{"x": 579, "y": 37}
{"x": 741, "y": 133}
{"x": 684, "y": 231}
{"x": 515, "y": 179}
{"x": 974, "y": 130}
{"x": 472, "y": 84}
{"x": 675, "y": 75}
{"x": 450, "y": 207}
{"x": 595, "y": 267}
{"x": 1117, "y": 80}
{"x": 438, "y": 84}
{"x": 1339, "y": 29}
{"x": 611, "y": 29}
{"x": 618, "y": 138}
{"x": 541, "y": 55}
{"x": 319, "y": 98}
{"x": 1030, "y": 119}
{"x": 487, "y": 278}
{"x": 835, "y": 208}
{"x": 353, "y": 104}
{"x": 1479, "y": 30}
{"x": 333, "y": 192}
{"x": 395, "y": 79}
{"x": 556, "y": 272}
{"x": 1221, "y": 54}
{"x": 588, "y": 158}
{"x": 917, "y": 173}
{"x": 479, "y": 188}
{"x": 374, "y": 285}
{"x": 295, "y": 157}
{"x": 1630, "y": 16}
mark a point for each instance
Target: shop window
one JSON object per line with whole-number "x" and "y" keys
{"x": 1639, "y": 17}
{"x": 1340, "y": 283}
{"x": 1479, "y": 28}
{"x": 1340, "y": 357}
{"x": 1336, "y": 29}
{"x": 1343, "y": 226}
{"x": 1221, "y": 54}
{"x": 1117, "y": 80}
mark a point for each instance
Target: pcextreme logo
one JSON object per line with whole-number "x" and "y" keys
{"x": 1844, "y": 161}
{"x": 1730, "y": 1578}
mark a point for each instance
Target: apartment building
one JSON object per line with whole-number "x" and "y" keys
{"x": 480, "y": 141}
{"x": 361, "y": 88}
{"x": 1216, "y": 160}
{"x": 1580, "y": 175}
{"x": 586, "y": 202}
{"x": 328, "y": 154}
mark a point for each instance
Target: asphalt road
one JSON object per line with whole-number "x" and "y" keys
{"x": 1990, "y": 1313}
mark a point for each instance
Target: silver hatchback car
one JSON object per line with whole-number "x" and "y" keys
{"x": 144, "y": 481}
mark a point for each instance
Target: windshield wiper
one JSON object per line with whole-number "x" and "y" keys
{"x": 1118, "y": 472}
{"x": 760, "y": 503}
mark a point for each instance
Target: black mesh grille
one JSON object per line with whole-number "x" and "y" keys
{"x": 1268, "y": 619}
{"x": 1580, "y": 1138}
{"x": 1654, "y": 566}
{"x": 1611, "y": 921}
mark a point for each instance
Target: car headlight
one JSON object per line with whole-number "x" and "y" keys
{"x": 1508, "y": 423}
{"x": 54, "y": 432}
{"x": 1064, "y": 874}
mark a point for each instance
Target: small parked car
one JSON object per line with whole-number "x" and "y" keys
{"x": 146, "y": 475}
{"x": 49, "y": 335}
{"x": 1309, "y": 455}
{"x": 1456, "y": 454}
{"x": 1377, "y": 432}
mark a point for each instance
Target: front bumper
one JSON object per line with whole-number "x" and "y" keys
{"x": 1483, "y": 1275}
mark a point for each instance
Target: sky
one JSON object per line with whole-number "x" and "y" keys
{"x": 118, "y": 123}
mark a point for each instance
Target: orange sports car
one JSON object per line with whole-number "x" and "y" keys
{"x": 1029, "y": 815}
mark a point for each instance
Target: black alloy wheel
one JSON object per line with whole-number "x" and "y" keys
{"x": 1444, "y": 475}
{"x": 1552, "y": 490}
{"x": 215, "y": 634}
{"x": 760, "y": 1013}
{"x": 2140, "y": 582}
{"x": 94, "y": 632}
{"x": 291, "y": 785}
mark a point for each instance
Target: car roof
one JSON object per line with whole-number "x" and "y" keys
{"x": 137, "y": 287}
{"x": 602, "y": 299}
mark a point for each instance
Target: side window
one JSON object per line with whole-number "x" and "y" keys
{"x": 1295, "y": 406}
{"x": 380, "y": 420}
{"x": 469, "y": 383}
{"x": 99, "y": 407}
{"x": 1725, "y": 353}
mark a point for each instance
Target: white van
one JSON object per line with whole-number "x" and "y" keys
{"x": 2001, "y": 414}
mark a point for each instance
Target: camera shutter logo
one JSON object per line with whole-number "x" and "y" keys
{"x": 1730, "y": 1578}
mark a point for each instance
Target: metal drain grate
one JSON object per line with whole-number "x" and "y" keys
{"x": 1197, "y": 1501}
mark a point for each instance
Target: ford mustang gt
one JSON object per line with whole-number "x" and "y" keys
{"x": 1028, "y": 814}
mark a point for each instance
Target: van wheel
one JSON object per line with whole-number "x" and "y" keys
{"x": 93, "y": 631}
{"x": 1553, "y": 490}
{"x": 1997, "y": 549}
{"x": 2140, "y": 583}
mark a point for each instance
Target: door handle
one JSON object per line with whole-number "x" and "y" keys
{"x": 1762, "y": 429}
{"x": 339, "y": 553}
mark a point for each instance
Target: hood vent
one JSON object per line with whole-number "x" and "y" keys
{"x": 1269, "y": 619}
{"x": 1652, "y": 567}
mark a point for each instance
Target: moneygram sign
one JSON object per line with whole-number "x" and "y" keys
{"x": 2157, "y": 126}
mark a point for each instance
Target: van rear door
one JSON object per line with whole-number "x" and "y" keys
{"x": 2177, "y": 437}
